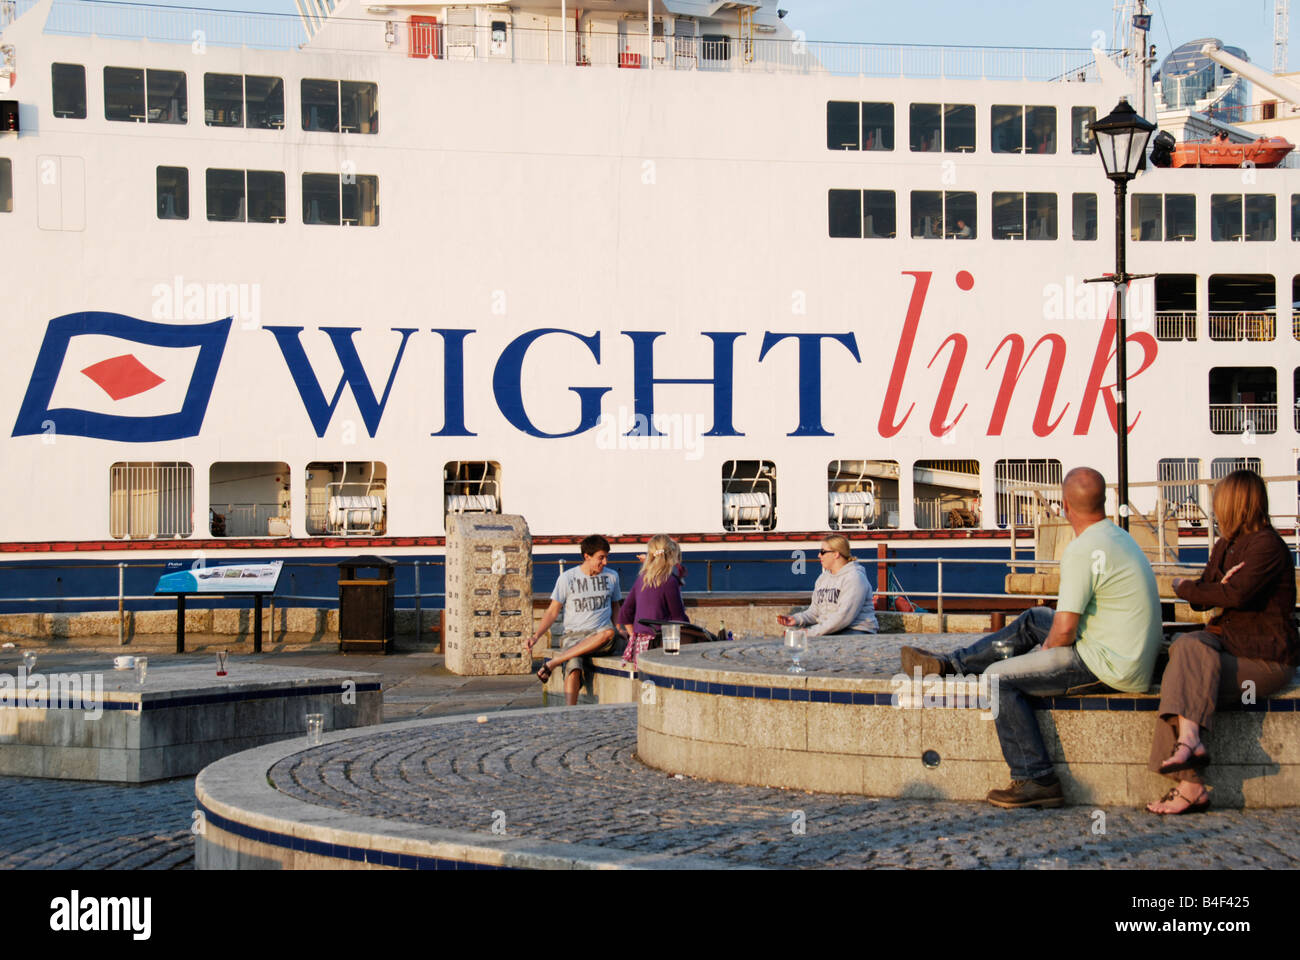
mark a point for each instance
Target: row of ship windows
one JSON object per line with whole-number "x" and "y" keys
{"x": 150, "y": 500}
{"x": 139, "y": 95}
{"x": 951, "y": 127}
{"x": 258, "y": 196}
{"x": 953, "y": 215}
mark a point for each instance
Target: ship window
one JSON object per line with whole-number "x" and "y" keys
{"x": 471, "y": 486}
{"x": 1243, "y": 401}
{"x": 1018, "y": 488}
{"x": 148, "y": 500}
{"x": 264, "y": 103}
{"x": 173, "y": 193}
{"x": 1220, "y": 467}
{"x": 1177, "y": 477}
{"x": 1085, "y": 216}
{"x": 68, "y": 82}
{"x": 355, "y": 204}
{"x": 877, "y": 126}
{"x": 1242, "y": 307}
{"x": 1023, "y": 129}
{"x": 1295, "y": 311}
{"x": 842, "y": 125}
{"x": 265, "y": 195}
{"x": 959, "y": 128}
{"x": 1146, "y": 215}
{"x": 946, "y": 494}
{"x": 360, "y": 106}
{"x": 1176, "y": 306}
{"x": 1080, "y": 139}
{"x": 878, "y": 217}
{"x": 1234, "y": 217}
{"x": 1180, "y": 216}
{"x": 6, "y": 185}
{"x": 1295, "y": 216}
{"x": 348, "y": 498}
{"x": 845, "y": 213}
{"x": 248, "y": 500}
{"x": 928, "y": 214}
{"x": 862, "y": 494}
{"x": 124, "y": 94}
{"x": 223, "y": 100}
{"x": 320, "y": 105}
{"x": 1261, "y": 216}
{"x": 926, "y": 132}
{"x": 748, "y": 495}
{"x": 1007, "y": 123}
{"x": 1017, "y": 216}
{"x": 959, "y": 215}
{"x": 168, "y": 102}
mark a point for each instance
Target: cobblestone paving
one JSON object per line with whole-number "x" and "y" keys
{"x": 572, "y": 776}
{"x": 75, "y": 825}
{"x": 872, "y": 656}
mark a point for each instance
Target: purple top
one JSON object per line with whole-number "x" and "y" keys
{"x": 663, "y": 602}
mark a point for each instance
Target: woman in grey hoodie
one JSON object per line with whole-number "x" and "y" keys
{"x": 843, "y": 603}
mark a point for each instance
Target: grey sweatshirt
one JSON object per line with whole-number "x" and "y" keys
{"x": 841, "y": 602}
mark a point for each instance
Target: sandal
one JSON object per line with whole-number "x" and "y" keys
{"x": 1199, "y": 805}
{"x": 1197, "y": 758}
{"x": 544, "y": 672}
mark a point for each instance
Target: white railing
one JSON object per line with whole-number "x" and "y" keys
{"x": 1242, "y": 325}
{"x": 937, "y": 514}
{"x": 1243, "y": 418}
{"x": 1297, "y": 416}
{"x": 629, "y": 49}
{"x": 149, "y": 500}
{"x": 1295, "y": 324}
{"x": 246, "y": 519}
{"x": 1176, "y": 325}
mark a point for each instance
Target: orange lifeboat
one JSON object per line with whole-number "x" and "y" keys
{"x": 1264, "y": 152}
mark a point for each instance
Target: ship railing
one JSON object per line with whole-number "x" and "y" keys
{"x": 1257, "y": 325}
{"x": 1295, "y": 324}
{"x": 245, "y": 519}
{"x": 625, "y": 48}
{"x": 1243, "y": 418}
{"x": 933, "y": 578}
{"x": 1176, "y": 325}
{"x": 1297, "y": 415}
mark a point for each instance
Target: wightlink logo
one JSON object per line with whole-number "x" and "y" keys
{"x": 76, "y": 913}
{"x": 54, "y": 691}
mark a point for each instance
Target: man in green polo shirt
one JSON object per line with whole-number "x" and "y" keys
{"x": 1106, "y": 628}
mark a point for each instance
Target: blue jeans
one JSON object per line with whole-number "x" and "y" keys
{"x": 1030, "y": 672}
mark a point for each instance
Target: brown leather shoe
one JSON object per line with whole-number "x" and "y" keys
{"x": 1026, "y": 793}
{"x": 931, "y": 664}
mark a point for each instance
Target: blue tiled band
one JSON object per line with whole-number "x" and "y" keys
{"x": 1125, "y": 703}
{"x": 339, "y": 851}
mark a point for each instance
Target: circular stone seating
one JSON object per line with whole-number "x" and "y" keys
{"x": 853, "y": 724}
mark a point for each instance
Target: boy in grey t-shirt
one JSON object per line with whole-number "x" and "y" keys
{"x": 589, "y": 595}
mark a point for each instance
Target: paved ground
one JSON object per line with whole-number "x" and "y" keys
{"x": 563, "y": 777}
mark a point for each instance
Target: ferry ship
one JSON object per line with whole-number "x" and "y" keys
{"x": 301, "y": 287}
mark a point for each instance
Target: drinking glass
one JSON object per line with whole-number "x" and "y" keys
{"x": 672, "y": 633}
{"x": 29, "y": 660}
{"x": 222, "y": 657}
{"x": 141, "y": 669}
{"x": 315, "y": 728}
{"x": 796, "y": 641}
{"x": 1005, "y": 649}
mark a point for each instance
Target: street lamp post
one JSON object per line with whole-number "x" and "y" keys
{"x": 1121, "y": 140}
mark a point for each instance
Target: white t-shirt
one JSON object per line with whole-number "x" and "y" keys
{"x": 587, "y": 600}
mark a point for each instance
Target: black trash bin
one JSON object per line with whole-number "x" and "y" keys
{"x": 366, "y": 604}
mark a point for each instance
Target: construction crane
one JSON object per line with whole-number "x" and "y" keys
{"x": 1281, "y": 31}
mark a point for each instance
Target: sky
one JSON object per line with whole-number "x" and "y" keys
{"x": 1018, "y": 23}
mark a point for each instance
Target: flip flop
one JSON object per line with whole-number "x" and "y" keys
{"x": 1194, "y": 761}
{"x": 544, "y": 672}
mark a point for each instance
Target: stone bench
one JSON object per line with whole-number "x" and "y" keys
{"x": 732, "y": 712}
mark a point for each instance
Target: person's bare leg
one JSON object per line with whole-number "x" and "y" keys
{"x": 1189, "y": 792}
{"x": 581, "y": 648}
{"x": 1189, "y": 744}
{"x": 572, "y": 684}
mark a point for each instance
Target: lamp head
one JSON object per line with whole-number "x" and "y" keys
{"x": 1121, "y": 140}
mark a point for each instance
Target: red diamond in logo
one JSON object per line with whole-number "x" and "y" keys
{"x": 123, "y": 376}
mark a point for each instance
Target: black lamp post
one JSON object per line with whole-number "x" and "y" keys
{"x": 1121, "y": 139}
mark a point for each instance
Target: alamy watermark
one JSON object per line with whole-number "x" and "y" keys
{"x": 180, "y": 300}
{"x": 933, "y": 692}
{"x": 626, "y": 430}
{"x": 55, "y": 691}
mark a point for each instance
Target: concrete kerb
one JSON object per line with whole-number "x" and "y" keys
{"x": 238, "y": 788}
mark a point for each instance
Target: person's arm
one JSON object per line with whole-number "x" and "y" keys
{"x": 627, "y": 616}
{"x": 1261, "y": 567}
{"x": 1065, "y": 630}
{"x": 845, "y": 612}
{"x": 548, "y": 618}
